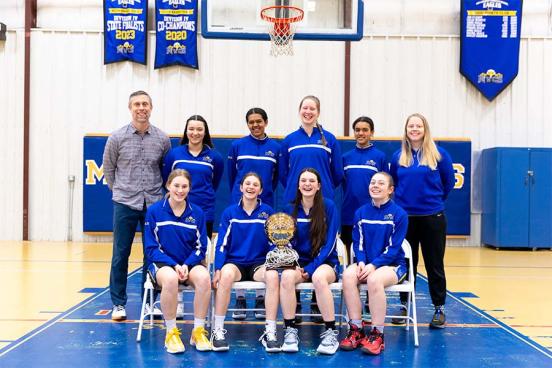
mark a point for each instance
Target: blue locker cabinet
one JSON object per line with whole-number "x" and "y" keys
{"x": 517, "y": 197}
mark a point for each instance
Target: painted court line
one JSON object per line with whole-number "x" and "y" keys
{"x": 32, "y": 334}
{"x": 252, "y": 323}
{"x": 504, "y": 326}
{"x": 61, "y": 318}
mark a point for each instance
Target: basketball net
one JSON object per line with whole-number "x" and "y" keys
{"x": 281, "y": 257}
{"x": 281, "y": 28}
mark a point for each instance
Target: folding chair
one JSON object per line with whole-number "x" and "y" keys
{"x": 407, "y": 286}
{"x": 336, "y": 286}
{"x": 239, "y": 285}
{"x": 149, "y": 304}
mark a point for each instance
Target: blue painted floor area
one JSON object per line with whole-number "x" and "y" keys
{"x": 86, "y": 336}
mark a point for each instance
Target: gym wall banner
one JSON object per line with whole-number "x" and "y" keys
{"x": 98, "y": 207}
{"x": 176, "y": 36}
{"x": 489, "y": 46}
{"x": 125, "y": 30}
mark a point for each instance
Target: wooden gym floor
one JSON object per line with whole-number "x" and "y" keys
{"x": 53, "y": 295}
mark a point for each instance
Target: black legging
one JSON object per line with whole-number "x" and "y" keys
{"x": 429, "y": 232}
{"x": 209, "y": 226}
{"x": 347, "y": 239}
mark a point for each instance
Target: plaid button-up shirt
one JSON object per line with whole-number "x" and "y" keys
{"x": 132, "y": 165}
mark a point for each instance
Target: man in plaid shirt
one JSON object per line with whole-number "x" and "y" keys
{"x": 132, "y": 168}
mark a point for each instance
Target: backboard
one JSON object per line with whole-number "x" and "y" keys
{"x": 323, "y": 19}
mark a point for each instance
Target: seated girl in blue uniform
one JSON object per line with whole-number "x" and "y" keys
{"x": 240, "y": 255}
{"x": 315, "y": 242}
{"x": 378, "y": 233}
{"x": 176, "y": 242}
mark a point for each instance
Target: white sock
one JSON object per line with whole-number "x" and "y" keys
{"x": 179, "y": 297}
{"x": 259, "y": 292}
{"x": 271, "y": 325}
{"x": 199, "y": 322}
{"x": 380, "y": 328}
{"x": 219, "y": 322}
{"x": 170, "y": 324}
{"x": 240, "y": 292}
{"x": 357, "y": 322}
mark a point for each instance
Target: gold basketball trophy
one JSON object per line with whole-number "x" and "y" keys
{"x": 280, "y": 228}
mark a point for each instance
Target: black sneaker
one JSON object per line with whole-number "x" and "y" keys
{"x": 316, "y": 310}
{"x": 240, "y": 304}
{"x": 218, "y": 340}
{"x": 367, "y": 305}
{"x": 260, "y": 304}
{"x": 270, "y": 342}
{"x": 400, "y": 321}
{"x": 298, "y": 310}
{"x": 439, "y": 319}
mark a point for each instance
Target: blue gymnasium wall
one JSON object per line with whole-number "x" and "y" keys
{"x": 98, "y": 211}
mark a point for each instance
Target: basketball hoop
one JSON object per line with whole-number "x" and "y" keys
{"x": 282, "y": 29}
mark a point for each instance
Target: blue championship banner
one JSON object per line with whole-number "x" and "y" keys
{"x": 98, "y": 208}
{"x": 489, "y": 51}
{"x": 125, "y": 30}
{"x": 176, "y": 36}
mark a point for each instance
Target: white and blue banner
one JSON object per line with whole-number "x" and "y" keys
{"x": 489, "y": 51}
{"x": 125, "y": 30}
{"x": 176, "y": 35}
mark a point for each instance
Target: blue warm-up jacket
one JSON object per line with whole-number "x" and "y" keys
{"x": 174, "y": 239}
{"x": 359, "y": 165}
{"x": 300, "y": 151}
{"x": 301, "y": 242}
{"x": 257, "y": 155}
{"x": 206, "y": 171}
{"x": 419, "y": 190}
{"x": 378, "y": 234}
{"x": 241, "y": 238}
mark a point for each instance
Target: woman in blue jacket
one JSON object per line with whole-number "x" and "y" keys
{"x": 379, "y": 231}
{"x": 317, "y": 222}
{"x": 424, "y": 177}
{"x": 254, "y": 153}
{"x": 197, "y": 155}
{"x": 359, "y": 165}
{"x": 310, "y": 146}
{"x": 314, "y": 147}
{"x": 176, "y": 242}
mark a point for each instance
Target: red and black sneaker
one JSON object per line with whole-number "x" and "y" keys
{"x": 373, "y": 344}
{"x": 354, "y": 336}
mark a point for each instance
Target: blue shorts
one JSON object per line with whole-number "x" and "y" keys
{"x": 401, "y": 272}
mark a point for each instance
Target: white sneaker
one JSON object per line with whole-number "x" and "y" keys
{"x": 218, "y": 340}
{"x": 270, "y": 341}
{"x": 291, "y": 340}
{"x": 155, "y": 311}
{"x": 329, "y": 342}
{"x": 118, "y": 313}
{"x": 180, "y": 311}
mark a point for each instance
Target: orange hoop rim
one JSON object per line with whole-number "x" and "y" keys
{"x": 287, "y": 20}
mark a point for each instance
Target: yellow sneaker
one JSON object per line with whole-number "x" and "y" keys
{"x": 173, "y": 343}
{"x": 200, "y": 340}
